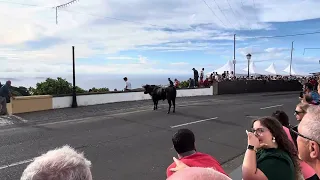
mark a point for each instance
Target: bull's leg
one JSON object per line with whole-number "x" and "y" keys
{"x": 174, "y": 105}
{"x": 157, "y": 104}
{"x": 169, "y": 102}
{"x": 154, "y": 104}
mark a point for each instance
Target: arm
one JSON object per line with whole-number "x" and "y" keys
{"x": 249, "y": 167}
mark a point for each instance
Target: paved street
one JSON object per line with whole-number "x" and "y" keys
{"x": 130, "y": 141}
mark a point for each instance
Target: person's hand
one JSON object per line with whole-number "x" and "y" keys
{"x": 179, "y": 165}
{"x": 254, "y": 141}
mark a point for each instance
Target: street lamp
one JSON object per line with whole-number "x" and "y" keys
{"x": 248, "y": 57}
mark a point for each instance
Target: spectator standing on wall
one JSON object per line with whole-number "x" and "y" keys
{"x": 170, "y": 83}
{"x": 201, "y": 74}
{"x": 128, "y": 84}
{"x": 5, "y": 96}
{"x": 195, "y": 76}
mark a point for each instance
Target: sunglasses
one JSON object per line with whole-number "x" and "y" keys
{"x": 303, "y": 136}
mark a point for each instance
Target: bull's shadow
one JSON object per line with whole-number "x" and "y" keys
{"x": 158, "y": 93}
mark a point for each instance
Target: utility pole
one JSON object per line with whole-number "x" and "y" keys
{"x": 291, "y": 57}
{"x": 234, "y": 54}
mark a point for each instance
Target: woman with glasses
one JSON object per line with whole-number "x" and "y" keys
{"x": 307, "y": 171}
{"x": 270, "y": 155}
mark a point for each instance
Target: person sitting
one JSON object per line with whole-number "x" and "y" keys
{"x": 270, "y": 155}
{"x": 184, "y": 144}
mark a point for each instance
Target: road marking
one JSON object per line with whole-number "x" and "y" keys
{"x": 4, "y": 121}
{"x": 20, "y": 118}
{"x": 194, "y": 122}
{"x": 16, "y": 164}
{"x": 272, "y": 106}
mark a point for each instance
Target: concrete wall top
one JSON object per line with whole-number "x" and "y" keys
{"x": 32, "y": 97}
{"x": 117, "y": 92}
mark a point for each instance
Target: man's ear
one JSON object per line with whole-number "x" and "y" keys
{"x": 314, "y": 150}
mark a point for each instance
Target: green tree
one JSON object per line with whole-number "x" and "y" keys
{"x": 51, "y": 86}
{"x": 20, "y": 91}
{"x": 100, "y": 89}
{"x": 184, "y": 84}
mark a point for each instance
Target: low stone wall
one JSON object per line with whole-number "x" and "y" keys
{"x": 255, "y": 86}
{"x": 23, "y": 104}
{"x": 103, "y": 98}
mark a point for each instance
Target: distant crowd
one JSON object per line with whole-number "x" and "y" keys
{"x": 206, "y": 80}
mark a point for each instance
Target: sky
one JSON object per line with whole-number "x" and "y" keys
{"x": 132, "y": 37}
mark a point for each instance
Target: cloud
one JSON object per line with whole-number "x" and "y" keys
{"x": 179, "y": 63}
{"x": 32, "y": 44}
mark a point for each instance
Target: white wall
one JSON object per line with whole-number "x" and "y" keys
{"x": 85, "y": 100}
{"x": 61, "y": 102}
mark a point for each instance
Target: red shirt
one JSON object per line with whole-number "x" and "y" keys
{"x": 198, "y": 160}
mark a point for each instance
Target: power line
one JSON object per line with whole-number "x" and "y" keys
{"x": 287, "y": 35}
{"x": 254, "y": 5}
{"x": 308, "y": 48}
{"x": 22, "y": 4}
{"x": 214, "y": 13}
{"x": 232, "y": 9}
{"x": 223, "y": 13}
{"x": 242, "y": 7}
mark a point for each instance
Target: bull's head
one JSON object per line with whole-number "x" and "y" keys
{"x": 147, "y": 89}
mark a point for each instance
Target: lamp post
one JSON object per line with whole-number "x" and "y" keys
{"x": 74, "y": 94}
{"x": 248, "y": 57}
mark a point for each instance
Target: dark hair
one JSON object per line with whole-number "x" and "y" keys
{"x": 282, "y": 117}
{"x": 282, "y": 139}
{"x": 183, "y": 141}
{"x": 308, "y": 85}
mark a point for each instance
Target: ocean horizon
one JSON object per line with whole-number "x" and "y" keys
{"x": 104, "y": 80}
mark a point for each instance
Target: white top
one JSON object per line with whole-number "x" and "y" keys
{"x": 201, "y": 73}
{"x": 128, "y": 85}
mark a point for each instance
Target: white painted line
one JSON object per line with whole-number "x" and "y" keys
{"x": 20, "y": 118}
{"x": 16, "y": 164}
{"x": 194, "y": 122}
{"x": 4, "y": 121}
{"x": 272, "y": 106}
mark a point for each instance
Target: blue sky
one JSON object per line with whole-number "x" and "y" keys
{"x": 156, "y": 37}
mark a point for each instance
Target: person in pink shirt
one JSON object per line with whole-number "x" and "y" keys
{"x": 307, "y": 171}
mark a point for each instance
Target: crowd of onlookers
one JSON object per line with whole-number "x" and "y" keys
{"x": 207, "y": 80}
{"x": 276, "y": 150}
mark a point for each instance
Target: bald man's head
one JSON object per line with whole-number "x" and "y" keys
{"x": 198, "y": 173}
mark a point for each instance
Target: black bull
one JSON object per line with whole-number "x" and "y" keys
{"x": 160, "y": 93}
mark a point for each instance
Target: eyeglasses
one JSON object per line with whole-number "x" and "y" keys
{"x": 298, "y": 112}
{"x": 297, "y": 133}
{"x": 258, "y": 131}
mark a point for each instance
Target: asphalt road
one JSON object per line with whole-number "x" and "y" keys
{"x": 131, "y": 141}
